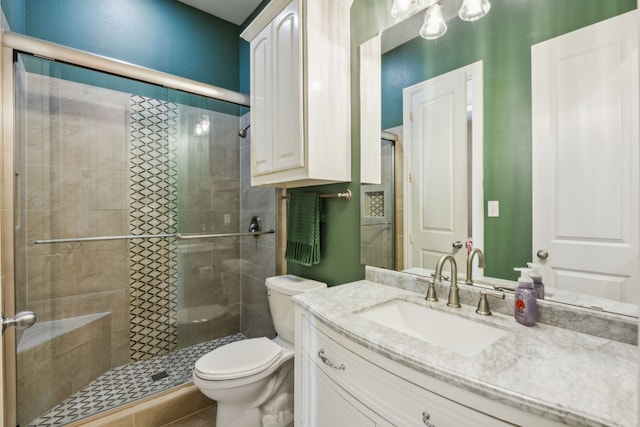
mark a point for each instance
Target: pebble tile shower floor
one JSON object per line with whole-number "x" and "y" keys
{"x": 127, "y": 383}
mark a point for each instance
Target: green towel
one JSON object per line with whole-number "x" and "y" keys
{"x": 303, "y": 229}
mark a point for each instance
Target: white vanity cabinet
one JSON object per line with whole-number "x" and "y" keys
{"x": 300, "y": 93}
{"x": 339, "y": 382}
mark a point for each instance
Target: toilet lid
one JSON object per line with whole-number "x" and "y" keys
{"x": 238, "y": 359}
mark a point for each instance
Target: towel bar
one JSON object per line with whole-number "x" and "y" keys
{"x": 346, "y": 196}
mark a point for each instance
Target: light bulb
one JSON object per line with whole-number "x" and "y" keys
{"x": 401, "y": 9}
{"x": 434, "y": 25}
{"x": 472, "y": 10}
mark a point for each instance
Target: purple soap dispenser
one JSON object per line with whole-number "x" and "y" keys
{"x": 525, "y": 308}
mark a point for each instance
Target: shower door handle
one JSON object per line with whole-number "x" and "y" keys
{"x": 22, "y": 320}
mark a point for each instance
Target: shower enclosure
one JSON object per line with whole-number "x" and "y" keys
{"x": 378, "y": 214}
{"x": 122, "y": 191}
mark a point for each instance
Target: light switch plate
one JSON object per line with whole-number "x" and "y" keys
{"x": 493, "y": 208}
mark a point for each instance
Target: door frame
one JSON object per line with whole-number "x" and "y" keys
{"x": 7, "y": 277}
{"x": 475, "y": 72}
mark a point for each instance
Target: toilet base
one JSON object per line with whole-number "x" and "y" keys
{"x": 229, "y": 414}
{"x": 275, "y": 404}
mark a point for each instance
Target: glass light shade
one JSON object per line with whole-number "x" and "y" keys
{"x": 401, "y": 9}
{"x": 472, "y": 10}
{"x": 434, "y": 25}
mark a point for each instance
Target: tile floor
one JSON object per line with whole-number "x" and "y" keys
{"x": 130, "y": 382}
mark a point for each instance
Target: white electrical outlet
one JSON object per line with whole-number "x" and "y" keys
{"x": 493, "y": 208}
{"x": 227, "y": 218}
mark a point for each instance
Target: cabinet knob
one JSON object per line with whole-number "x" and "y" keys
{"x": 425, "y": 419}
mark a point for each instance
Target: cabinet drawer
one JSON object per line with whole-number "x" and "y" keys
{"x": 393, "y": 398}
{"x": 325, "y": 404}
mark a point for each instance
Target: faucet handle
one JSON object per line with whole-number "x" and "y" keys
{"x": 483, "y": 305}
{"x": 431, "y": 292}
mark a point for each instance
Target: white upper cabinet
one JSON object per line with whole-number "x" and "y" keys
{"x": 300, "y": 93}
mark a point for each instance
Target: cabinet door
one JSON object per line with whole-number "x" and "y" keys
{"x": 261, "y": 101}
{"x": 288, "y": 141}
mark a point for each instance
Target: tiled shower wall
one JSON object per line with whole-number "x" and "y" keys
{"x": 258, "y": 254}
{"x": 77, "y": 174}
{"x": 208, "y": 203}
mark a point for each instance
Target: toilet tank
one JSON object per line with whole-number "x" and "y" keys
{"x": 280, "y": 289}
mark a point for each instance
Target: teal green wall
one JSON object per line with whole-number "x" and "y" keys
{"x": 502, "y": 40}
{"x": 14, "y": 12}
{"x": 164, "y": 35}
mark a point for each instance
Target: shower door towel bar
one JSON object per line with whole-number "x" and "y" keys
{"x": 206, "y": 236}
{"x": 151, "y": 236}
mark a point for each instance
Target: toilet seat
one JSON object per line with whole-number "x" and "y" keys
{"x": 238, "y": 359}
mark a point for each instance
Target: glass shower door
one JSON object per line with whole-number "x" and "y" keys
{"x": 111, "y": 172}
{"x": 74, "y": 158}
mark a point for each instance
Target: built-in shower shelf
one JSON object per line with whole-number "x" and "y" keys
{"x": 42, "y": 332}
{"x": 60, "y": 356}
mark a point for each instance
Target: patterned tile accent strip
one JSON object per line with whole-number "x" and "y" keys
{"x": 130, "y": 382}
{"x": 376, "y": 203}
{"x": 153, "y": 207}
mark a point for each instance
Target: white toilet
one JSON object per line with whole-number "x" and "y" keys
{"x": 252, "y": 380}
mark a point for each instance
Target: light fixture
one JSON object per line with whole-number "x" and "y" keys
{"x": 434, "y": 25}
{"x": 472, "y": 10}
{"x": 401, "y": 9}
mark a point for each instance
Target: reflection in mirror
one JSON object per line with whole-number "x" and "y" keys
{"x": 378, "y": 212}
{"x": 503, "y": 40}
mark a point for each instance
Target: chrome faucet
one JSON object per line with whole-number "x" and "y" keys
{"x": 481, "y": 264}
{"x": 454, "y": 294}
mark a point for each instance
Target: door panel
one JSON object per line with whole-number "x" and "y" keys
{"x": 585, "y": 159}
{"x": 288, "y": 141}
{"x": 261, "y": 101}
{"x": 437, "y": 135}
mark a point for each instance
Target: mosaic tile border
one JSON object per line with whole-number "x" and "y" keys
{"x": 153, "y": 206}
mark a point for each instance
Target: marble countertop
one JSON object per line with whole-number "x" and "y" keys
{"x": 571, "y": 377}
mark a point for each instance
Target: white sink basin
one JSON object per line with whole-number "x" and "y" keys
{"x": 449, "y": 331}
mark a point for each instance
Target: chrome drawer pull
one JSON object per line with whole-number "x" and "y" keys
{"x": 425, "y": 419}
{"x": 328, "y": 362}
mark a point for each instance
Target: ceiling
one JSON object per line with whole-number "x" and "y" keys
{"x": 234, "y": 11}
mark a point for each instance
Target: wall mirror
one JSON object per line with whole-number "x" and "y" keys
{"x": 517, "y": 100}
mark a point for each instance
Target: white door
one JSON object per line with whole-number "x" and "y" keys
{"x": 585, "y": 159}
{"x": 435, "y": 128}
